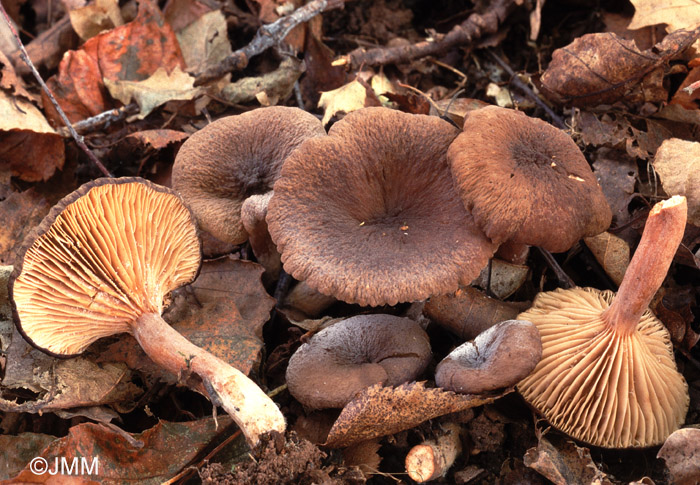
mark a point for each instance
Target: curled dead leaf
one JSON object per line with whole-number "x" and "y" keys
{"x": 681, "y": 452}
{"x": 381, "y": 411}
{"x": 602, "y": 68}
{"x": 612, "y": 252}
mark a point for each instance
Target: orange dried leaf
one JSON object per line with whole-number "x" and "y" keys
{"x": 381, "y": 411}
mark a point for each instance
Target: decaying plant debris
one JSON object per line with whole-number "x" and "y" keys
{"x": 340, "y": 160}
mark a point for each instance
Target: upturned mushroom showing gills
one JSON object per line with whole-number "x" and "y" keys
{"x": 608, "y": 375}
{"x": 369, "y": 214}
{"x": 356, "y": 353}
{"x": 103, "y": 262}
{"x": 525, "y": 181}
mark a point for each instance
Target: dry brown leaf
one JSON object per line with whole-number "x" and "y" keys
{"x": 181, "y": 13}
{"x": 612, "y": 253}
{"x": 157, "y": 139}
{"x": 24, "y": 446}
{"x": 678, "y": 164}
{"x": 505, "y": 279}
{"x": 155, "y": 91}
{"x": 468, "y": 312}
{"x": 682, "y": 97}
{"x": 380, "y": 411}
{"x": 131, "y": 52}
{"x": 205, "y": 42}
{"x": 363, "y": 455}
{"x": 564, "y": 463}
{"x": 617, "y": 175}
{"x": 351, "y": 97}
{"x": 674, "y": 309}
{"x": 681, "y": 452}
{"x": 603, "y": 68}
{"x": 96, "y": 17}
{"x": 676, "y": 14}
{"x": 153, "y": 456}
{"x": 456, "y": 109}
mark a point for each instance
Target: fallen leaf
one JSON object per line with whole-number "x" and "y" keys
{"x": 468, "y": 312}
{"x": 681, "y": 452}
{"x": 674, "y": 309}
{"x": 29, "y": 146}
{"x": 602, "y": 68}
{"x": 158, "y": 139}
{"x": 20, "y": 212}
{"x": 24, "y": 446}
{"x": 380, "y": 411}
{"x": 563, "y": 462}
{"x": 320, "y": 74}
{"x": 155, "y": 91}
{"x": 346, "y": 99}
{"x": 676, "y": 14}
{"x": 363, "y": 455}
{"x": 131, "y": 52}
{"x": 678, "y": 164}
{"x": 505, "y": 279}
{"x": 181, "y": 13}
{"x": 612, "y": 253}
{"x": 114, "y": 456}
{"x": 682, "y": 97}
{"x": 205, "y": 42}
{"x": 95, "y": 18}
{"x": 6, "y": 324}
{"x": 616, "y": 173}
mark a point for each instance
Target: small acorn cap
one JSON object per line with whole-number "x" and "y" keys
{"x": 369, "y": 214}
{"x": 497, "y": 358}
{"x": 229, "y": 160}
{"x": 356, "y": 353}
{"x": 608, "y": 375}
{"x": 103, "y": 262}
{"x": 526, "y": 181}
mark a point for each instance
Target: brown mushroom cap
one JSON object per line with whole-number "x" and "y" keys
{"x": 498, "y": 357}
{"x": 235, "y": 157}
{"x": 356, "y": 353}
{"x": 600, "y": 386}
{"x": 526, "y": 181}
{"x": 106, "y": 254}
{"x": 369, "y": 213}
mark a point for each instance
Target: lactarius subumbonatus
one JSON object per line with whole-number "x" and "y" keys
{"x": 103, "y": 262}
{"x": 608, "y": 375}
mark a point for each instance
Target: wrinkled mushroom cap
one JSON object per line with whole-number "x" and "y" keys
{"x": 356, "y": 353}
{"x": 606, "y": 389}
{"x": 526, "y": 181}
{"x": 229, "y": 160}
{"x": 498, "y": 357}
{"x": 105, "y": 255}
{"x": 369, "y": 214}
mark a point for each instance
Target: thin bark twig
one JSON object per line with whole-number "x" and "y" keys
{"x": 25, "y": 57}
{"x": 475, "y": 27}
{"x": 267, "y": 36}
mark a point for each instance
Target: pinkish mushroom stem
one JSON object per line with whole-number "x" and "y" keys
{"x": 646, "y": 272}
{"x": 253, "y": 214}
{"x": 433, "y": 458}
{"x": 252, "y": 410}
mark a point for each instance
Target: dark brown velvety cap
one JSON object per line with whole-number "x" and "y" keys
{"x": 527, "y": 181}
{"x": 235, "y": 157}
{"x": 498, "y": 357}
{"x": 369, "y": 214}
{"x": 106, "y": 254}
{"x": 356, "y": 353}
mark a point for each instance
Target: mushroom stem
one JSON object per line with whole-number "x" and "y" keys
{"x": 253, "y": 411}
{"x": 646, "y": 272}
{"x": 432, "y": 459}
{"x": 253, "y": 213}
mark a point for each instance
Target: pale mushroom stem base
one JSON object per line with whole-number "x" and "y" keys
{"x": 662, "y": 235}
{"x": 253, "y": 411}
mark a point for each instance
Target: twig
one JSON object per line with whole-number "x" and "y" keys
{"x": 475, "y": 27}
{"x": 564, "y": 279}
{"x": 267, "y": 36}
{"x": 557, "y": 121}
{"x": 97, "y": 121}
{"x": 25, "y": 57}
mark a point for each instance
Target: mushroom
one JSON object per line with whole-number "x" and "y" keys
{"x": 607, "y": 375}
{"x": 369, "y": 214}
{"x": 498, "y": 357}
{"x": 356, "y": 353}
{"x": 525, "y": 181}
{"x": 103, "y": 262}
{"x": 233, "y": 159}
